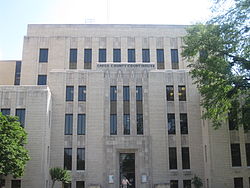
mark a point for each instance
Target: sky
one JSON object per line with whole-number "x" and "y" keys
{"x": 15, "y": 15}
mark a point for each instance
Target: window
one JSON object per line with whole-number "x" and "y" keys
{"x": 182, "y": 93}
{"x": 18, "y": 72}
{"x": 15, "y": 183}
{"x": 238, "y": 182}
{"x": 113, "y": 124}
{"x": 187, "y": 184}
{"x": 81, "y": 124}
{"x": 113, "y": 93}
{"x": 87, "y": 58}
{"x": 160, "y": 55}
{"x": 73, "y": 59}
{"x": 68, "y": 124}
{"x": 42, "y": 80}
{"x": 171, "y": 123}
{"x": 69, "y": 93}
{"x": 2, "y": 183}
{"x": 172, "y": 158}
{"x": 173, "y": 183}
{"x": 82, "y": 93}
{"x": 102, "y": 55}
{"x": 5, "y": 111}
{"x": 174, "y": 59}
{"x": 43, "y": 56}
{"x": 116, "y": 55}
{"x": 80, "y": 159}
{"x": 170, "y": 93}
{"x": 184, "y": 123}
{"x": 68, "y": 158}
{"x": 131, "y": 55}
{"x": 248, "y": 153}
{"x": 20, "y": 113}
{"x": 126, "y": 93}
{"x": 185, "y": 158}
{"x": 126, "y": 124}
{"x": 139, "y": 93}
{"x": 139, "y": 123}
{"x": 145, "y": 55}
{"x": 235, "y": 154}
{"x": 67, "y": 185}
{"x": 80, "y": 184}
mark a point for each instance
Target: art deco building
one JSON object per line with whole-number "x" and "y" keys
{"x": 114, "y": 101}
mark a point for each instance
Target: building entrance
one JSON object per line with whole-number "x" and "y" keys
{"x": 127, "y": 169}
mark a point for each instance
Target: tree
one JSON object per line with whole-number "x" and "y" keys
{"x": 59, "y": 174}
{"x": 13, "y": 155}
{"x": 197, "y": 182}
{"x": 220, "y": 54}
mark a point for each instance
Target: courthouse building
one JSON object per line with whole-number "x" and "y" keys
{"x": 113, "y": 101}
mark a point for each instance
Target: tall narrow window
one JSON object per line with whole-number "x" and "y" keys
{"x": 43, "y": 55}
{"x": 238, "y": 182}
{"x": 126, "y": 124}
{"x": 187, "y": 184}
{"x": 131, "y": 55}
{"x": 73, "y": 59}
{"x": 145, "y": 55}
{"x": 182, "y": 93}
{"x": 2, "y": 183}
{"x": 42, "y": 80}
{"x": 20, "y": 113}
{"x": 87, "y": 58}
{"x": 170, "y": 93}
{"x": 235, "y": 154}
{"x": 172, "y": 158}
{"x": 113, "y": 93}
{"x": 116, "y": 55}
{"x": 139, "y": 123}
{"x": 174, "y": 59}
{"x": 5, "y": 111}
{"x": 68, "y": 124}
{"x": 69, "y": 93}
{"x": 102, "y": 55}
{"x": 139, "y": 93}
{"x": 67, "y": 185}
{"x": 185, "y": 158}
{"x": 81, "y": 124}
{"x": 18, "y": 72}
{"x": 82, "y": 93}
{"x": 160, "y": 58}
{"x": 80, "y": 159}
{"x": 184, "y": 123}
{"x": 113, "y": 124}
{"x": 248, "y": 153}
{"x": 173, "y": 183}
{"x": 15, "y": 183}
{"x": 68, "y": 158}
{"x": 80, "y": 184}
{"x": 171, "y": 123}
{"x": 126, "y": 94}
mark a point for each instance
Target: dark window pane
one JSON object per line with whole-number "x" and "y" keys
{"x": 185, "y": 158}
{"x": 42, "y": 80}
{"x": 172, "y": 158}
{"x": 113, "y": 124}
{"x": 5, "y": 111}
{"x": 186, "y": 183}
{"x": 82, "y": 93}
{"x": 139, "y": 122}
{"x": 68, "y": 158}
{"x": 68, "y": 124}
{"x": 67, "y": 185}
{"x": 126, "y": 93}
{"x": 20, "y": 113}
{"x": 2, "y": 183}
{"x": 116, "y": 55}
{"x": 139, "y": 93}
{"x": 235, "y": 154}
{"x": 87, "y": 58}
{"x": 102, "y": 55}
{"x": 81, "y": 124}
{"x": 131, "y": 55}
{"x": 18, "y": 72}
{"x": 182, "y": 93}
{"x": 73, "y": 56}
{"x": 113, "y": 93}
{"x": 126, "y": 124}
{"x": 173, "y": 183}
{"x": 80, "y": 158}
{"x": 145, "y": 55}
{"x": 184, "y": 123}
{"x": 171, "y": 123}
{"x": 160, "y": 55}
{"x": 170, "y": 93}
{"x": 15, "y": 183}
{"x": 80, "y": 184}
{"x": 43, "y": 55}
{"x": 174, "y": 59}
{"x": 69, "y": 93}
{"x": 238, "y": 182}
{"x": 248, "y": 153}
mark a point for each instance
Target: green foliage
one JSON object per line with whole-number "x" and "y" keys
{"x": 13, "y": 155}
{"x": 59, "y": 174}
{"x": 197, "y": 182}
{"x": 220, "y": 54}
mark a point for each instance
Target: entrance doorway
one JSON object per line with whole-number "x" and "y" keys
{"x": 127, "y": 168}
